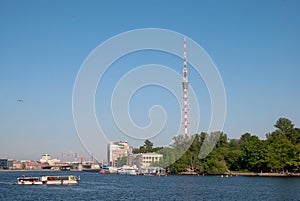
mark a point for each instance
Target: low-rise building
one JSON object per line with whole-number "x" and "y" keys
{"x": 18, "y": 165}
{"x": 146, "y": 159}
{"x": 32, "y": 165}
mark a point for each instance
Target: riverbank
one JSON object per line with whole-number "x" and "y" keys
{"x": 265, "y": 174}
{"x": 246, "y": 174}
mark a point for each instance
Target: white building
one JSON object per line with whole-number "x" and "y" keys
{"x": 45, "y": 158}
{"x": 116, "y": 150}
{"x": 146, "y": 159}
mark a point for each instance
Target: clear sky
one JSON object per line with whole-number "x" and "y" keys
{"x": 254, "y": 44}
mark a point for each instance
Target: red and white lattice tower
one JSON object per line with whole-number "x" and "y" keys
{"x": 185, "y": 84}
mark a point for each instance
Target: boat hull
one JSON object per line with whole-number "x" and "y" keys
{"x": 49, "y": 180}
{"x": 49, "y": 183}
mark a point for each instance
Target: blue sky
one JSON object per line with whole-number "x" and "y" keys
{"x": 254, "y": 44}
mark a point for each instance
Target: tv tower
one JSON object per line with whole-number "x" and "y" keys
{"x": 185, "y": 84}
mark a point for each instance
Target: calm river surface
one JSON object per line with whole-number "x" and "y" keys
{"x": 94, "y": 186}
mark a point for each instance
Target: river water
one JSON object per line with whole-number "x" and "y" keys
{"x": 94, "y": 186}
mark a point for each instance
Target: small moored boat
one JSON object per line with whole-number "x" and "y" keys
{"x": 58, "y": 180}
{"x": 127, "y": 170}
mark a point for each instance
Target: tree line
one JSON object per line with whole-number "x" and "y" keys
{"x": 279, "y": 152}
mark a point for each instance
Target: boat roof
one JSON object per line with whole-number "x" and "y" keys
{"x": 28, "y": 177}
{"x": 57, "y": 176}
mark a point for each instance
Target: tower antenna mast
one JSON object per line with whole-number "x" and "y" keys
{"x": 185, "y": 84}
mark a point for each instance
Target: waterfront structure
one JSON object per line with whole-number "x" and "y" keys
{"x": 32, "y": 165}
{"x": 128, "y": 170}
{"x": 46, "y": 158}
{"x": 116, "y": 150}
{"x": 54, "y": 161}
{"x": 185, "y": 84}
{"x": 146, "y": 159}
{"x": 6, "y": 164}
{"x": 130, "y": 159}
{"x": 152, "y": 171}
{"x": 17, "y": 165}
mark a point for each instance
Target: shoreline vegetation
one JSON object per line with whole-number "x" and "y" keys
{"x": 277, "y": 155}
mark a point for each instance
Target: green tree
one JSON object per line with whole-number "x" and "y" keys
{"x": 223, "y": 139}
{"x": 297, "y": 135}
{"x": 286, "y": 127}
{"x": 214, "y": 154}
{"x": 280, "y": 155}
{"x": 233, "y": 155}
{"x": 244, "y": 140}
{"x": 148, "y": 145}
{"x": 275, "y": 136}
{"x": 254, "y": 155}
{"x": 156, "y": 149}
{"x": 214, "y": 163}
{"x": 123, "y": 161}
{"x": 194, "y": 152}
{"x": 294, "y": 163}
{"x": 181, "y": 155}
{"x": 203, "y": 136}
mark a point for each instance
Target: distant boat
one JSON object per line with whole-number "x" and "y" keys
{"x": 49, "y": 180}
{"x": 108, "y": 170}
{"x": 150, "y": 171}
{"x": 127, "y": 170}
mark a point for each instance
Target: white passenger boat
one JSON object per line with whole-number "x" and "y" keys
{"x": 58, "y": 180}
{"x": 127, "y": 170}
